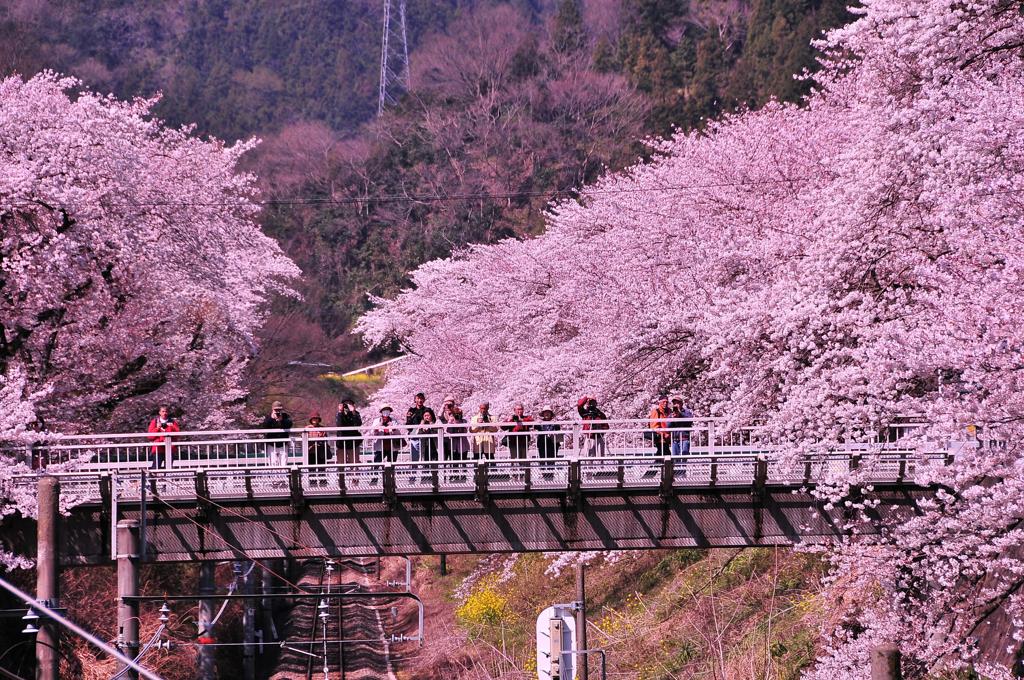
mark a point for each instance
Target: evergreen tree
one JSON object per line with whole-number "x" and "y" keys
{"x": 568, "y": 34}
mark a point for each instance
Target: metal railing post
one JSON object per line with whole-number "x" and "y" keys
{"x": 167, "y": 451}
{"x": 711, "y": 437}
{"x": 305, "y": 447}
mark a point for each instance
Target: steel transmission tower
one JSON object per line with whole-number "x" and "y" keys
{"x": 394, "y": 56}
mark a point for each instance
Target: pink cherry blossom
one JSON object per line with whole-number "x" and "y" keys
{"x": 822, "y": 269}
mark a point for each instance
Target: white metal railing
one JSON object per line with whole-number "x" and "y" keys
{"x": 451, "y": 442}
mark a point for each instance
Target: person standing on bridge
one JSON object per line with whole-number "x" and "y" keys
{"x": 446, "y": 419}
{"x": 482, "y": 427}
{"x": 549, "y": 439}
{"x": 162, "y": 423}
{"x": 456, "y": 444}
{"x": 278, "y": 425}
{"x": 519, "y": 433}
{"x": 659, "y": 424}
{"x": 426, "y": 437}
{"x": 681, "y": 427}
{"x": 593, "y": 432}
{"x": 413, "y": 417}
{"x": 386, "y": 440}
{"x": 349, "y": 439}
{"x": 317, "y": 446}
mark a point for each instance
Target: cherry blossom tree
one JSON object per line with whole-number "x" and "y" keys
{"x": 822, "y": 269}
{"x": 132, "y": 270}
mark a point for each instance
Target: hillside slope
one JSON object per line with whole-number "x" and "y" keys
{"x": 659, "y": 615}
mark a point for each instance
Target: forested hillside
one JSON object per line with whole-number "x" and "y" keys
{"x": 510, "y": 110}
{"x": 234, "y": 68}
{"x": 513, "y": 104}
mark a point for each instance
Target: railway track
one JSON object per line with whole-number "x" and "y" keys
{"x": 333, "y": 637}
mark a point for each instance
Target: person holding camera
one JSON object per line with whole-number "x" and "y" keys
{"x": 349, "y": 439}
{"x": 278, "y": 425}
{"x": 160, "y": 424}
{"x": 593, "y": 432}
{"x": 518, "y": 437}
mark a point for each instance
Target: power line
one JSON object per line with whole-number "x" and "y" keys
{"x": 425, "y": 198}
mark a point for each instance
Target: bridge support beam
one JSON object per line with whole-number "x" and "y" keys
{"x": 207, "y": 655}
{"x": 128, "y": 586}
{"x": 47, "y": 577}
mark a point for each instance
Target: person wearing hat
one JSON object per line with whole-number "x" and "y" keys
{"x": 349, "y": 439}
{"x": 447, "y": 418}
{"x": 278, "y": 425}
{"x": 549, "y": 438}
{"x": 386, "y": 436}
{"x": 659, "y": 424}
{"x": 317, "y": 446}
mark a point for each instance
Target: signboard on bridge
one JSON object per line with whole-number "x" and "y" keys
{"x": 556, "y": 641}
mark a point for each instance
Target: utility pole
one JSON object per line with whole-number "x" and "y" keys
{"x": 267, "y": 605}
{"x": 47, "y": 577}
{"x": 207, "y": 587}
{"x": 394, "y": 56}
{"x": 885, "y": 663}
{"x": 128, "y": 586}
{"x": 581, "y": 619}
{"x": 249, "y": 625}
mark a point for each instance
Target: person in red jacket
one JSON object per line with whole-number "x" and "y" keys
{"x": 162, "y": 423}
{"x": 661, "y": 435}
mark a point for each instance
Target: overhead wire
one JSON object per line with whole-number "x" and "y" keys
{"x": 142, "y": 652}
{"x": 434, "y": 198}
{"x": 238, "y": 549}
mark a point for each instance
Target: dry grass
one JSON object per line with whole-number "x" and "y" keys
{"x": 722, "y": 614}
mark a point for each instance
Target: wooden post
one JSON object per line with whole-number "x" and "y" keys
{"x": 47, "y": 577}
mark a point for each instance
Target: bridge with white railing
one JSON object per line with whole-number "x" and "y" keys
{"x": 468, "y": 488}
